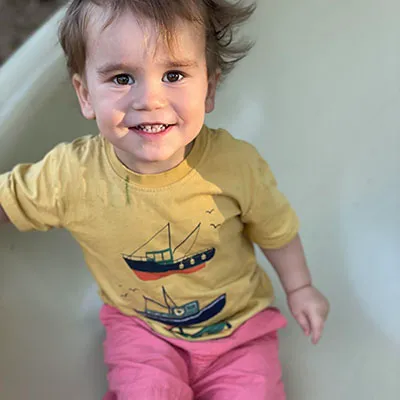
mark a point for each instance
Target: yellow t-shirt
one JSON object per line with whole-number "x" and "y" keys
{"x": 174, "y": 249}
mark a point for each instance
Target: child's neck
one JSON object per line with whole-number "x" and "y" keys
{"x": 152, "y": 168}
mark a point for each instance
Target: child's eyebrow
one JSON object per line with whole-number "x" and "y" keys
{"x": 180, "y": 63}
{"x": 111, "y": 67}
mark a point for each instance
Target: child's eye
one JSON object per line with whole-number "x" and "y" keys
{"x": 173, "y": 76}
{"x": 123, "y": 79}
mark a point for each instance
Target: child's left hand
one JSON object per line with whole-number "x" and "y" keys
{"x": 310, "y": 308}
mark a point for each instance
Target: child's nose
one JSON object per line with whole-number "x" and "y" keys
{"x": 148, "y": 96}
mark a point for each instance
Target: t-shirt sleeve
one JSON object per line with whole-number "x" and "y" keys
{"x": 32, "y": 195}
{"x": 269, "y": 219}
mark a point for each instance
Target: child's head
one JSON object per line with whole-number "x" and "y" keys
{"x": 147, "y": 70}
{"x": 217, "y": 18}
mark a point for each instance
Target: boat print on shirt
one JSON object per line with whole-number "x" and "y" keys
{"x": 149, "y": 264}
{"x": 187, "y": 315}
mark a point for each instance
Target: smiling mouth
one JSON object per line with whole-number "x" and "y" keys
{"x": 156, "y": 128}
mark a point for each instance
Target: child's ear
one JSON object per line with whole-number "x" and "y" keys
{"x": 83, "y": 97}
{"x": 212, "y": 89}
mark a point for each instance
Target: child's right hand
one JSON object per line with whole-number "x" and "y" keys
{"x": 310, "y": 308}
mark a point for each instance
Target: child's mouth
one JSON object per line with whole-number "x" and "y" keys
{"x": 153, "y": 128}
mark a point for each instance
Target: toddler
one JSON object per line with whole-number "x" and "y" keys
{"x": 166, "y": 209}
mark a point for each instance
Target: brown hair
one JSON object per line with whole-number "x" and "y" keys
{"x": 219, "y": 19}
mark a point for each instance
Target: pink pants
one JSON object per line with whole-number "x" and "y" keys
{"x": 144, "y": 365}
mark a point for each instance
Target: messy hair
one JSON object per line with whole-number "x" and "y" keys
{"x": 219, "y": 19}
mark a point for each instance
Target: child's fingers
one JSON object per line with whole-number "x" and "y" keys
{"x": 304, "y": 323}
{"x": 317, "y": 326}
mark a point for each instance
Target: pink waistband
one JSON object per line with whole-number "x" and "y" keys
{"x": 266, "y": 322}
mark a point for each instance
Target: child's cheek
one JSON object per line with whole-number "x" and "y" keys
{"x": 110, "y": 113}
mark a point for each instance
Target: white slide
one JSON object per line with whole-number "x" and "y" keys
{"x": 319, "y": 95}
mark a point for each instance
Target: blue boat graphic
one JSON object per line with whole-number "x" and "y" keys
{"x": 182, "y": 316}
{"x": 149, "y": 264}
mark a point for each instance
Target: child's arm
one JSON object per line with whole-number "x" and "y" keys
{"x": 3, "y": 216}
{"x": 308, "y": 306}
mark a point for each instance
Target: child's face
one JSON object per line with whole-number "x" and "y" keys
{"x": 150, "y": 104}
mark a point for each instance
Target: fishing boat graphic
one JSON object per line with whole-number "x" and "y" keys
{"x": 186, "y": 315}
{"x": 206, "y": 331}
{"x": 149, "y": 264}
